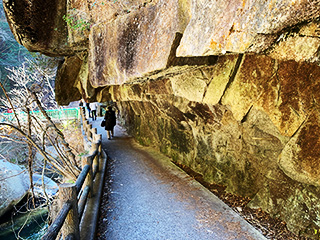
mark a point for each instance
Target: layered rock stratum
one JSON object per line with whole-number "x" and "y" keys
{"x": 227, "y": 88}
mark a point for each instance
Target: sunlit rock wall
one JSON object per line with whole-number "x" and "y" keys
{"x": 249, "y": 122}
{"x": 282, "y": 28}
{"x": 228, "y": 88}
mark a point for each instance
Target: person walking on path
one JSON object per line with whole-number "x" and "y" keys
{"x": 81, "y": 103}
{"x": 110, "y": 121}
{"x": 88, "y": 108}
{"x": 93, "y": 106}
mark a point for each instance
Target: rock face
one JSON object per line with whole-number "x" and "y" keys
{"x": 36, "y": 27}
{"x": 248, "y": 122}
{"x": 134, "y": 44}
{"x": 14, "y": 185}
{"x": 71, "y": 77}
{"x": 227, "y": 88}
{"x": 252, "y": 26}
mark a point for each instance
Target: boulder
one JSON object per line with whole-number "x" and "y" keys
{"x": 14, "y": 185}
{"x": 51, "y": 188}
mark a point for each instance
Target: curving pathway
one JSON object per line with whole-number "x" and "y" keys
{"x": 148, "y": 197}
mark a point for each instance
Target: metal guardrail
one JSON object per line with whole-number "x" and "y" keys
{"x": 55, "y": 114}
{"x": 74, "y": 197}
{"x": 62, "y": 114}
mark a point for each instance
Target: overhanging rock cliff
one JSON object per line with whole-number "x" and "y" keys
{"x": 229, "y": 88}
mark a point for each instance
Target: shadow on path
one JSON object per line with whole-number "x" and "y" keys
{"x": 148, "y": 197}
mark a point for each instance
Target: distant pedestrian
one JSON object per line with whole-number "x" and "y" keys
{"x": 110, "y": 121}
{"x": 93, "y": 106}
{"x": 88, "y": 108}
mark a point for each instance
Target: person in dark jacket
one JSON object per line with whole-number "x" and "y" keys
{"x": 110, "y": 118}
{"x": 88, "y": 108}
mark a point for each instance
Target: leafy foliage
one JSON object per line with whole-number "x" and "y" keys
{"x": 76, "y": 21}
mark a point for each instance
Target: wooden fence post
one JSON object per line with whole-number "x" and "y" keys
{"x": 99, "y": 139}
{"x": 68, "y": 193}
{"x": 87, "y": 160}
{"x": 99, "y": 110}
{"x": 79, "y": 114}
{"x": 82, "y": 113}
{"x": 88, "y": 129}
{"x": 84, "y": 125}
{"x": 94, "y": 134}
{"x": 90, "y": 132}
{"x": 95, "y": 163}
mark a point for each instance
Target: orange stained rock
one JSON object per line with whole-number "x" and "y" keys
{"x": 213, "y": 44}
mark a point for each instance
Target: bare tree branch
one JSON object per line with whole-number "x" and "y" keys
{"x": 43, "y": 153}
{"x": 9, "y": 100}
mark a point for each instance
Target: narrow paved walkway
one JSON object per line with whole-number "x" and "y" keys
{"x": 148, "y": 197}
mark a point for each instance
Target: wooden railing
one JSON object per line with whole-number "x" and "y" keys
{"x": 73, "y": 198}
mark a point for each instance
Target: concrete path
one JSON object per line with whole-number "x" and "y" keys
{"x": 151, "y": 198}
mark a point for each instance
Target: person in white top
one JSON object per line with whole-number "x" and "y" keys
{"x": 93, "y": 107}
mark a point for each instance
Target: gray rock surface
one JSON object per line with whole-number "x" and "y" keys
{"x": 14, "y": 185}
{"x": 51, "y": 188}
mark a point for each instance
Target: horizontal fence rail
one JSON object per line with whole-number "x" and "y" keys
{"x": 55, "y": 114}
{"x": 74, "y": 197}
